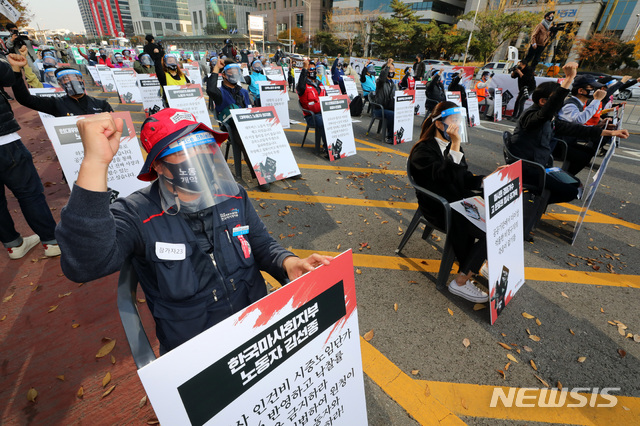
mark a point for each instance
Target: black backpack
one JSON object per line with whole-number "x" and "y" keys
{"x": 356, "y": 106}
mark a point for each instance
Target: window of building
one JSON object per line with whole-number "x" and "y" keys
{"x": 290, "y": 3}
{"x": 169, "y": 26}
{"x": 284, "y": 3}
{"x": 300, "y": 20}
{"x": 201, "y": 20}
{"x": 195, "y": 18}
{"x": 324, "y": 3}
{"x": 158, "y": 27}
{"x": 296, "y": 3}
{"x": 146, "y": 25}
{"x": 260, "y": 6}
{"x": 274, "y": 5}
{"x": 269, "y": 5}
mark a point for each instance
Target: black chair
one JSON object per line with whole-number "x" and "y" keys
{"x": 311, "y": 124}
{"x": 448, "y": 256}
{"x": 382, "y": 125}
{"x": 129, "y": 315}
{"x": 535, "y": 194}
{"x": 237, "y": 150}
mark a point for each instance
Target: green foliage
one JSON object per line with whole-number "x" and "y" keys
{"x": 23, "y": 7}
{"x": 328, "y": 43}
{"x": 494, "y": 27}
{"x": 443, "y": 41}
{"x": 401, "y": 35}
{"x": 605, "y": 50}
{"x": 296, "y": 34}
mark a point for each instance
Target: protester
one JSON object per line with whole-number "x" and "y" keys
{"x": 16, "y": 37}
{"x": 435, "y": 90}
{"x": 385, "y": 96}
{"x": 29, "y": 75}
{"x": 526, "y": 85}
{"x": 337, "y": 70}
{"x": 419, "y": 67}
{"x": 153, "y": 49}
{"x": 103, "y": 58}
{"x": 536, "y": 128}
{"x": 278, "y": 55}
{"x": 144, "y": 65}
{"x": 407, "y": 82}
{"x": 482, "y": 92}
{"x": 539, "y": 39}
{"x": 438, "y": 164}
{"x": 90, "y": 56}
{"x": 368, "y": 79}
{"x": 61, "y": 50}
{"x": 257, "y": 74}
{"x": 171, "y": 74}
{"x": 218, "y": 273}
{"x": 309, "y": 91}
{"x": 119, "y": 61}
{"x": 228, "y": 50}
{"x": 75, "y": 102}
{"x": 351, "y": 71}
{"x": 455, "y": 86}
{"x": 19, "y": 175}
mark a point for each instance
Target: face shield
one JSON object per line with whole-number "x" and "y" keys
{"x": 48, "y": 54}
{"x": 71, "y": 81}
{"x": 257, "y": 66}
{"x": 233, "y": 73}
{"x": 126, "y": 54}
{"x": 49, "y": 62}
{"x": 454, "y": 117}
{"x": 171, "y": 62}
{"x": 50, "y": 78}
{"x": 146, "y": 60}
{"x": 102, "y": 52}
{"x": 119, "y": 58}
{"x": 194, "y": 174}
{"x": 371, "y": 70}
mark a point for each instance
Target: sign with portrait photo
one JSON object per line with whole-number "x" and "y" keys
{"x": 338, "y": 127}
{"x": 405, "y": 102}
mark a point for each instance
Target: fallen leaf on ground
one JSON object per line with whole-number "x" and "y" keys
{"x": 538, "y": 321}
{"x": 32, "y": 394}
{"x": 542, "y": 380}
{"x": 368, "y": 335}
{"x": 106, "y": 379}
{"x": 60, "y": 377}
{"x": 559, "y": 385}
{"x": 466, "y": 342}
{"x": 504, "y": 377}
{"x": 358, "y": 271}
{"x": 450, "y": 311}
{"x": 153, "y": 421}
{"x": 108, "y": 391}
{"x": 571, "y": 331}
{"x": 52, "y": 308}
{"x": 582, "y": 359}
{"x": 564, "y": 294}
{"x": 4, "y": 317}
{"x": 415, "y": 372}
{"x": 80, "y": 392}
{"x": 527, "y": 316}
{"x": 479, "y": 306}
{"x": 106, "y": 348}
{"x": 143, "y": 402}
{"x": 621, "y": 331}
{"x": 76, "y": 325}
{"x": 395, "y": 307}
{"x": 464, "y": 404}
{"x": 636, "y": 338}
{"x": 504, "y": 345}
{"x": 527, "y": 348}
{"x": 622, "y": 353}
{"x": 534, "y": 338}
{"x": 533, "y": 365}
{"x": 113, "y": 359}
{"x": 602, "y": 310}
{"x": 427, "y": 390}
{"x": 512, "y": 358}
{"x": 338, "y": 248}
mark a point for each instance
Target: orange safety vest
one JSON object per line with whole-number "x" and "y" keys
{"x": 596, "y": 117}
{"x": 481, "y": 93}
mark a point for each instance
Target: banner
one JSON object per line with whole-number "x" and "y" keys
{"x": 189, "y": 98}
{"x": 473, "y": 111}
{"x": 274, "y": 93}
{"x": 421, "y": 97}
{"x": 291, "y": 358}
{"x": 150, "y": 93}
{"x": 93, "y": 71}
{"x": 126, "y": 83}
{"x": 454, "y": 97}
{"x": 266, "y": 144}
{"x": 125, "y": 166}
{"x": 333, "y": 90}
{"x": 106, "y": 78}
{"x": 350, "y": 86}
{"x": 338, "y": 128}
{"x": 404, "y": 104}
{"x": 505, "y": 246}
{"x": 509, "y": 88}
{"x": 10, "y": 12}
{"x": 274, "y": 73}
{"x": 193, "y": 72}
{"x": 497, "y": 105}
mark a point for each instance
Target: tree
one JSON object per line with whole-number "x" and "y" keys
{"x": 494, "y": 27}
{"x": 401, "y": 35}
{"x": 443, "y": 40}
{"x": 21, "y": 6}
{"x": 296, "y": 35}
{"x": 350, "y": 27}
{"x": 326, "y": 42}
{"x": 605, "y": 50}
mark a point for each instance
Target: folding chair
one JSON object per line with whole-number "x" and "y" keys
{"x": 311, "y": 125}
{"x": 382, "y": 125}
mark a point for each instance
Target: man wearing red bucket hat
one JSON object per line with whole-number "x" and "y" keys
{"x": 193, "y": 235}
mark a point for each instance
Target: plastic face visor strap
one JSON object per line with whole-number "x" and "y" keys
{"x": 448, "y": 112}
{"x": 69, "y": 72}
{"x": 189, "y": 142}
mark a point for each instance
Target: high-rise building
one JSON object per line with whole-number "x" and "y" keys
{"x": 160, "y": 17}
{"x": 109, "y": 18}
{"x": 211, "y": 17}
{"x": 441, "y": 11}
{"x": 308, "y": 15}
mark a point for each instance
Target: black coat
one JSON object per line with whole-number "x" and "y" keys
{"x": 8, "y": 123}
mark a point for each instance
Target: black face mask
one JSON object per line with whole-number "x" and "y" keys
{"x": 444, "y": 132}
{"x": 589, "y": 94}
{"x": 312, "y": 74}
{"x": 182, "y": 178}
{"x": 392, "y": 74}
{"x": 172, "y": 67}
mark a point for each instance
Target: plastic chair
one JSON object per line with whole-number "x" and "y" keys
{"x": 130, "y": 316}
{"x": 382, "y": 125}
{"x": 448, "y": 256}
{"x": 310, "y": 125}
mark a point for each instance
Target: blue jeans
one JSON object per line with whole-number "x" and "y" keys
{"x": 319, "y": 128}
{"x": 388, "y": 116}
{"x": 18, "y": 173}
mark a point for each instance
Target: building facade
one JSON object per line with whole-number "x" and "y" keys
{"x": 216, "y": 17}
{"x": 308, "y": 15}
{"x": 160, "y": 17}
{"x": 110, "y": 18}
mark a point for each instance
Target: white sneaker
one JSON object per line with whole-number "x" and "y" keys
{"x": 51, "y": 250}
{"x": 468, "y": 291}
{"x": 27, "y": 244}
{"x": 484, "y": 271}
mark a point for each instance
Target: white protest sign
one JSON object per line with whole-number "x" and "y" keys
{"x": 150, "y": 92}
{"x": 126, "y": 82}
{"x": 273, "y": 73}
{"x": 293, "y": 356}
{"x": 189, "y": 98}
{"x": 296, "y": 75}
{"x": 421, "y": 97}
{"x": 125, "y": 166}
{"x": 266, "y": 143}
{"x": 274, "y": 93}
{"x": 404, "y": 103}
{"x": 10, "y": 12}
{"x": 106, "y": 78}
{"x": 47, "y": 93}
{"x": 193, "y": 72}
{"x": 497, "y": 105}
{"x": 454, "y": 97}
{"x": 333, "y": 90}
{"x": 350, "y": 86}
{"x": 338, "y": 128}
{"x": 505, "y": 248}
{"x": 510, "y": 89}
{"x": 93, "y": 71}
{"x": 473, "y": 111}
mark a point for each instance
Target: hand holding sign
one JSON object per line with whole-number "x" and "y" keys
{"x": 100, "y": 139}
{"x": 297, "y": 267}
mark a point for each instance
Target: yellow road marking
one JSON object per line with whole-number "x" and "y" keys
{"x": 602, "y": 218}
{"x": 531, "y": 274}
{"x": 474, "y": 401}
{"x": 408, "y": 393}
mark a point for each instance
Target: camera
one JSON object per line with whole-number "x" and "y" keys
{"x": 513, "y": 68}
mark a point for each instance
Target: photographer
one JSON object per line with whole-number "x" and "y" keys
{"x": 16, "y": 41}
{"x": 154, "y": 50}
{"x": 526, "y": 85}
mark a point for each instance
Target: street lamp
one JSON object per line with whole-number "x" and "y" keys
{"x": 308, "y": 4}
{"x": 464, "y": 62}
